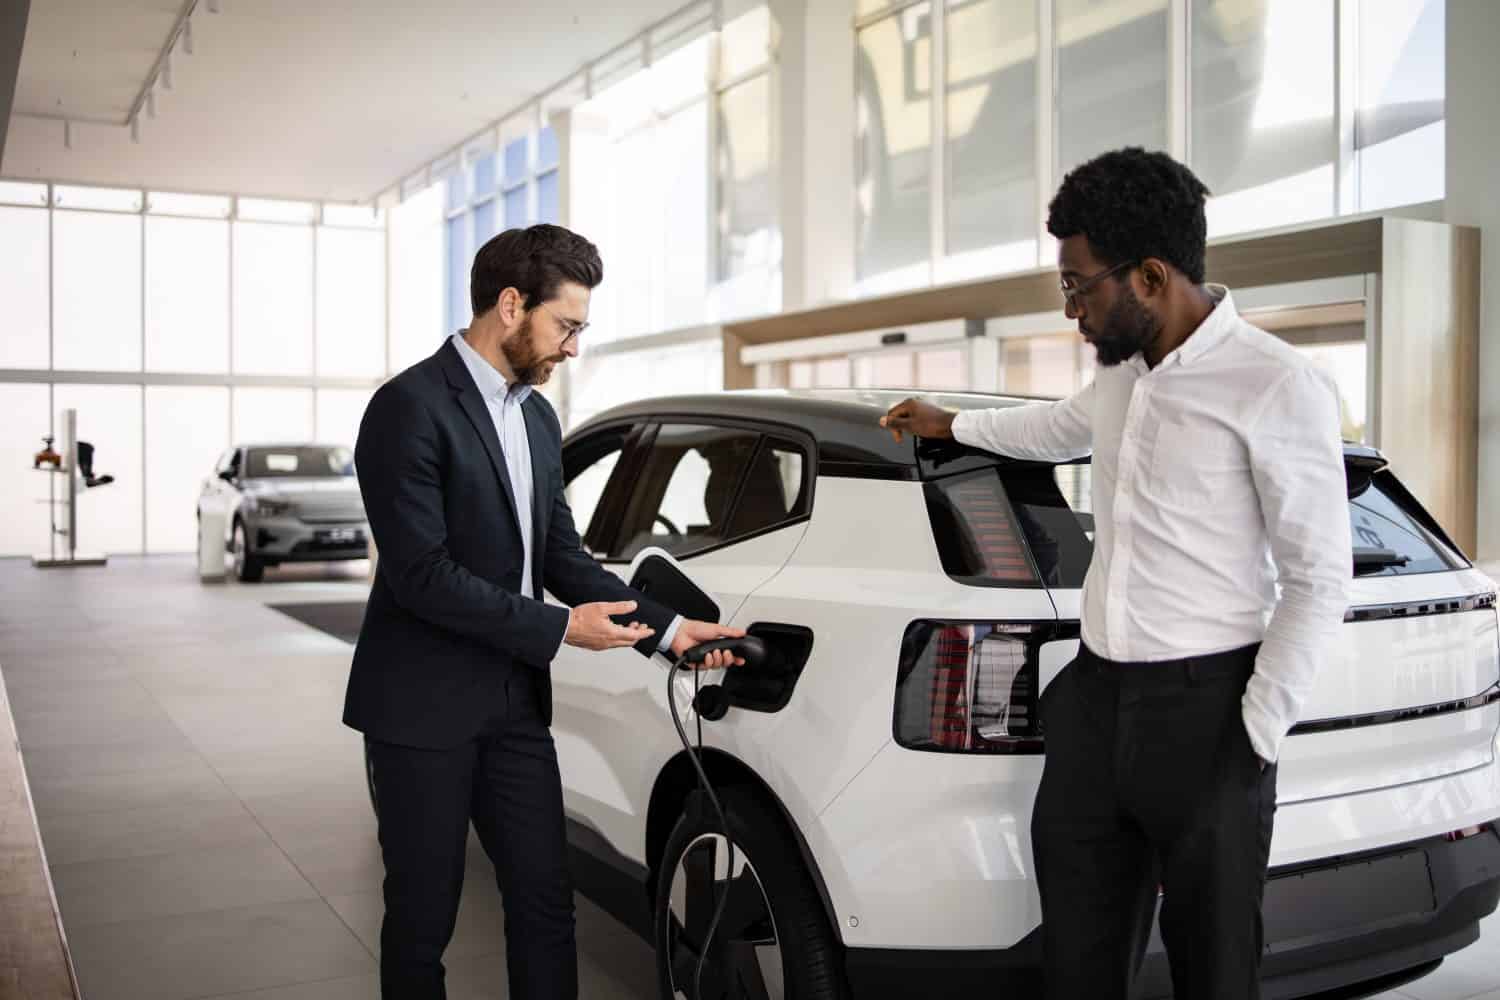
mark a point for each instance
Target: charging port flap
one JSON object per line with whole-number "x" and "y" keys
{"x": 769, "y": 688}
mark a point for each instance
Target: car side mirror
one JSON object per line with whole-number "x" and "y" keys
{"x": 227, "y": 476}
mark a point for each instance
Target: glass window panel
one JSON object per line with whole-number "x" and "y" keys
{"x": 96, "y": 291}
{"x": 354, "y": 216}
{"x": 339, "y": 412}
{"x": 745, "y": 41}
{"x": 1045, "y": 365}
{"x": 267, "y": 210}
{"x": 457, "y": 187}
{"x": 351, "y": 302}
{"x": 548, "y": 197}
{"x": 893, "y": 141}
{"x": 459, "y": 260}
{"x": 680, "y": 76}
{"x": 187, "y": 428}
{"x": 22, "y": 193}
{"x": 1111, "y": 77}
{"x": 484, "y": 223}
{"x": 485, "y": 176}
{"x": 942, "y": 369}
{"x": 624, "y": 103}
{"x": 886, "y": 370}
{"x": 515, "y": 208}
{"x": 273, "y": 416}
{"x": 832, "y": 373}
{"x": 100, "y": 199}
{"x": 23, "y": 287}
{"x": 1262, "y": 107}
{"x": 24, "y": 524}
{"x": 749, "y": 239}
{"x": 1346, "y": 364}
{"x": 631, "y": 274}
{"x": 418, "y": 297}
{"x": 109, "y": 418}
{"x": 547, "y": 154}
{"x": 206, "y": 206}
{"x": 685, "y": 489}
{"x": 187, "y": 295}
{"x": 1398, "y": 127}
{"x": 273, "y": 299}
{"x": 682, "y": 207}
{"x": 516, "y": 165}
{"x": 991, "y": 120}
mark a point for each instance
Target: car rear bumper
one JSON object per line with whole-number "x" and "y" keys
{"x": 1375, "y": 919}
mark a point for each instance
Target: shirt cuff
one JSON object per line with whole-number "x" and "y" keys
{"x": 665, "y": 646}
{"x": 567, "y": 624}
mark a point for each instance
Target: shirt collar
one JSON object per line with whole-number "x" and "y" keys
{"x": 489, "y": 380}
{"x": 1211, "y": 331}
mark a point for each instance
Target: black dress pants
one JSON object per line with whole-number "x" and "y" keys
{"x": 1151, "y": 785}
{"x": 506, "y": 781}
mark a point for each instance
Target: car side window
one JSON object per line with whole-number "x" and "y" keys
{"x": 682, "y": 497}
{"x": 588, "y": 467}
{"x": 775, "y": 488}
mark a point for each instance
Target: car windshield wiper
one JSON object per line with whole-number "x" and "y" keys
{"x": 1372, "y": 560}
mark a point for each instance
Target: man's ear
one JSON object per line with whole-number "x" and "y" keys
{"x": 510, "y": 305}
{"x": 1155, "y": 276}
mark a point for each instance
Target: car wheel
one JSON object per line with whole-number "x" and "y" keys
{"x": 247, "y": 568}
{"x": 773, "y": 941}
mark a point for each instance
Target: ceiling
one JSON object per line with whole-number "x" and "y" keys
{"x": 333, "y": 99}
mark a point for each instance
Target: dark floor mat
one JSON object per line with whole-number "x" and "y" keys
{"x": 340, "y": 619}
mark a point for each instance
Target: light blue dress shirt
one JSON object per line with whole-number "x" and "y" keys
{"x": 503, "y": 400}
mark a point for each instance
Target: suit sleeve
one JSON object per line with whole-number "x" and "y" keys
{"x": 577, "y": 578}
{"x": 398, "y": 458}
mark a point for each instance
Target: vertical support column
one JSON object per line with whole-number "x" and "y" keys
{"x": 1179, "y": 80}
{"x": 1046, "y": 126}
{"x": 1345, "y": 104}
{"x": 1429, "y": 378}
{"x": 1473, "y": 149}
{"x": 813, "y": 123}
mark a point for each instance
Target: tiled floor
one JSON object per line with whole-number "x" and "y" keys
{"x": 204, "y": 812}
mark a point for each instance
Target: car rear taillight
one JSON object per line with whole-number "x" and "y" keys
{"x": 970, "y": 687}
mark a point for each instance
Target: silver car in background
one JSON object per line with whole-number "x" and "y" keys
{"x": 287, "y": 503}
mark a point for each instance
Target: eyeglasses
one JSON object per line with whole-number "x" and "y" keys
{"x": 572, "y": 328}
{"x": 1071, "y": 292}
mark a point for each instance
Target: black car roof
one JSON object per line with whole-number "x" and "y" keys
{"x": 844, "y": 422}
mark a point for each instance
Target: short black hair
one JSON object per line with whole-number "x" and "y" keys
{"x": 533, "y": 261}
{"x": 1131, "y": 205}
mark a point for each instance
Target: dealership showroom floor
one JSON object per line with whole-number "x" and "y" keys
{"x": 204, "y": 811}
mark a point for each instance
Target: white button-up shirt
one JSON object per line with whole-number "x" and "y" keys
{"x": 1220, "y": 504}
{"x": 503, "y": 400}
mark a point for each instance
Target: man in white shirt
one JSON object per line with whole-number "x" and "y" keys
{"x": 1221, "y": 559}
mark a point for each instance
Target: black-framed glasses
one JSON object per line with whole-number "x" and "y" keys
{"x": 1071, "y": 292}
{"x": 572, "y": 329}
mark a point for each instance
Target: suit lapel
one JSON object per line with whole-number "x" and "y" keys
{"x": 467, "y": 394}
{"x": 541, "y": 502}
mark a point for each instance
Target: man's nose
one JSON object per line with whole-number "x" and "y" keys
{"x": 1072, "y": 308}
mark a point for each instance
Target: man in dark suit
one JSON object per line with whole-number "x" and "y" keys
{"x": 460, "y": 465}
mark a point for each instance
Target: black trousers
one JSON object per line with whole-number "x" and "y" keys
{"x": 507, "y": 782}
{"x": 1151, "y": 785}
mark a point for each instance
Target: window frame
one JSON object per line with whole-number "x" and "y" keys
{"x": 639, "y": 443}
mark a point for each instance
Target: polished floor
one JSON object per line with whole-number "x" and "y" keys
{"x": 204, "y": 811}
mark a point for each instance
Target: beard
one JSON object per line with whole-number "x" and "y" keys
{"x": 1128, "y": 329}
{"x": 527, "y": 362}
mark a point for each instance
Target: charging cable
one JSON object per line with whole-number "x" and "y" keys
{"x": 719, "y": 810}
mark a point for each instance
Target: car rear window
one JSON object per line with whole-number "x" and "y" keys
{"x": 1017, "y": 525}
{"x": 1393, "y": 535}
{"x": 1032, "y": 524}
{"x": 299, "y": 462}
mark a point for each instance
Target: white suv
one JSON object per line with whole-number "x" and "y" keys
{"x": 879, "y": 775}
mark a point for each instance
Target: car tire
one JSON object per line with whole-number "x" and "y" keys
{"x": 247, "y": 568}
{"x": 783, "y": 947}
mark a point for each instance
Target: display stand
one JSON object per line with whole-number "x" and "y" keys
{"x": 69, "y": 503}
